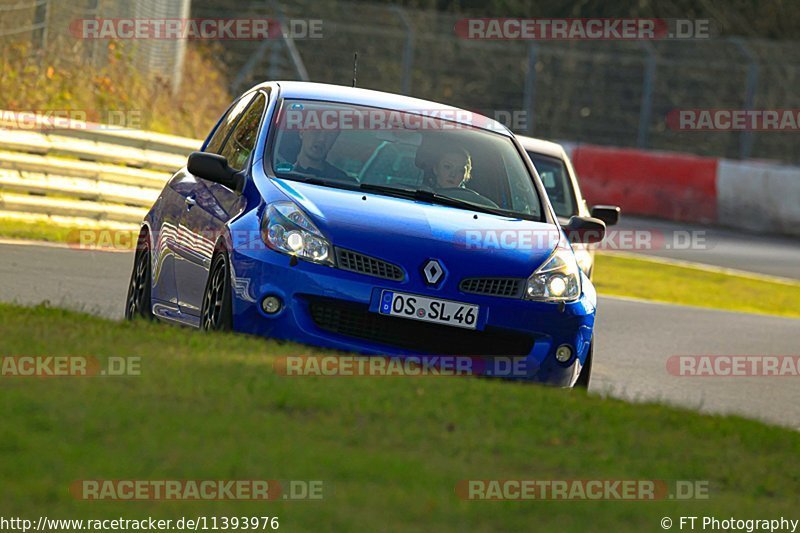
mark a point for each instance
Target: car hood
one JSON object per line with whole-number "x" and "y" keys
{"x": 409, "y": 232}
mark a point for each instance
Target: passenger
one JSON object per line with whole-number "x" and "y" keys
{"x": 452, "y": 169}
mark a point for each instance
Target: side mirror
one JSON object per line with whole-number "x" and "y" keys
{"x": 607, "y": 213}
{"x": 214, "y": 167}
{"x": 585, "y": 230}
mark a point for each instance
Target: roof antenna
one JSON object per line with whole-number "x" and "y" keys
{"x": 355, "y": 68}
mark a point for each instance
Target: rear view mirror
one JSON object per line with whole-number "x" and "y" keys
{"x": 607, "y": 213}
{"x": 214, "y": 167}
{"x": 585, "y": 230}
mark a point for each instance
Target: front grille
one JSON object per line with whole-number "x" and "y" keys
{"x": 364, "y": 264}
{"x": 355, "y": 320}
{"x": 506, "y": 287}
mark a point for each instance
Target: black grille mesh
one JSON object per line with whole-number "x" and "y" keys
{"x": 354, "y": 320}
{"x": 506, "y": 287}
{"x": 364, "y": 264}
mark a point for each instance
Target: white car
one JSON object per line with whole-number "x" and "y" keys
{"x": 555, "y": 169}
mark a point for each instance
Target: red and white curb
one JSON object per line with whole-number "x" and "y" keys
{"x": 756, "y": 196}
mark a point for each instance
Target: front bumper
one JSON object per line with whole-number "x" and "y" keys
{"x": 333, "y": 308}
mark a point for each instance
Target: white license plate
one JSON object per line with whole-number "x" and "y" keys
{"x": 429, "y": 309}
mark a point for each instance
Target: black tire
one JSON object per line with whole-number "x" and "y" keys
{"x": 138, "y": 303}
{"x": 586, "y": 372}
{"x": 216, "y": 312}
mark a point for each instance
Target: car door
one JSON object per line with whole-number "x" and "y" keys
{"x": 165, "y": 247}
{"x": 209, "y": 206}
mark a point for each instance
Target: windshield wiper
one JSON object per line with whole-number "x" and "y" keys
{"x": 427, "y": 195}
{"x": 313, "y": 179}
{"x": 397, "y": 191}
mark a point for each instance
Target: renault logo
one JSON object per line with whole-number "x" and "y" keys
{"x": 433, "y": 272}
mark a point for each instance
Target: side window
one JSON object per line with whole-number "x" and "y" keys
{"x": 225, "y": 125}
{"x": 243, "y": 139}
{"x": 557, "y": 183}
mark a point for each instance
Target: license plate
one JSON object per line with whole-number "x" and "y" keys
{"x": 429, "y": 309}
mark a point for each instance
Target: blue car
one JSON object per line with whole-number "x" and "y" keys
{"x": 372, "y": 223}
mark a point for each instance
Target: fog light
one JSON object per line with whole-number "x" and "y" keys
{"x": 563, "y": 353}
{"x": 271, "y": 305}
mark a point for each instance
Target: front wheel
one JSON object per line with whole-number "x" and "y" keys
{"x": 586, "y": 370}
{"x": 138, "y": 302}
{"x": 216, "y": 313}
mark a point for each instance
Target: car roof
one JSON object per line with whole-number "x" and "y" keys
{"x": 305, "y": 90}
{"x": 540, "y": 146}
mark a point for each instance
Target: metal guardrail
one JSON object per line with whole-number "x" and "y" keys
{"x": 145, "y": 140}
{"x": 87, "y": 173}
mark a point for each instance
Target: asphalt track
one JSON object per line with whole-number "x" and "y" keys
{"x": 634, "y": 339}
{"x": 771, "y": 255}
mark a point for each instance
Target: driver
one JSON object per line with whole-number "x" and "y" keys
{"x": 312, "y": 158}
{"x": 452, "y": 169}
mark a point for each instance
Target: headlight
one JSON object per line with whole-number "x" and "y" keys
{"x": 558, "y": 279}
{"x": 287, "y": 229}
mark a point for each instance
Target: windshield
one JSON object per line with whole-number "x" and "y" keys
{"x": 557, "y": 183}
{"x": 388, "y": 152}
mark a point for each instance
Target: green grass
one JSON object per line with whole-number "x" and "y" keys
{"x": 35, "y": 231}
{"x": 390, "y": 450}
{"x": 48, "y": 232}
{"x": 640, "y": 278}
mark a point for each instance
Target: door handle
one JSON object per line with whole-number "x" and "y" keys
{"x": 190, "y": 202}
